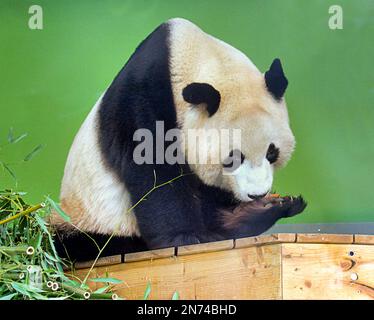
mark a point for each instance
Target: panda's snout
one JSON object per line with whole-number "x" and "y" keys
{"x": 253, "y": 182}
{"x": 257, "y": 196}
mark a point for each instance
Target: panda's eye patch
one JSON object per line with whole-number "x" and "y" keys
{"x": 272, "y": 154}
{"x": 234, "y": 160}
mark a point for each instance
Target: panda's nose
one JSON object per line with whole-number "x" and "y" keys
{"x": 257, "y": 196}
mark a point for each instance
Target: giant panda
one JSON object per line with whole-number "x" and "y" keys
{"x": 189, "y": 80}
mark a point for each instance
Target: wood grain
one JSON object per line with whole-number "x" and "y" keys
{"x": 364, "y": 239}
{"x": 248, "y": 273}
{"x": 149, "y": 255}
{"x": 266, "y": 239}
{"x": 105, "y": 261}
{"x": 206, "y": 247}
{"x": 324, "y": 238}
{"x": 326, "y": 271}
{"x": 317, "y": 266}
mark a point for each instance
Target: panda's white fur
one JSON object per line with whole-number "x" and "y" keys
{"x": 92, "y": 195}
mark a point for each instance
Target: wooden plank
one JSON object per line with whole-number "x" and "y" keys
{"x": 247, "y": 273}
{"x": 364, "y": 239}
{"x": 104, "y": 261}
{"x": 324, "y": 238}
{"x": 327, "y": 271}
{"x": 149, "y": 255}
{"x": 206, "y": 247}
{"x": 265, "y": 239}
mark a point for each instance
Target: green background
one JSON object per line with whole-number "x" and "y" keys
{"x": 51, "y": 78}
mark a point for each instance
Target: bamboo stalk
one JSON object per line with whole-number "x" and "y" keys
{"x": 87, "y": 295}
{"x": 55, "y": 286}
{"x": 29, "y": 250}
{"x": 104, "y": 296}
{"x": 76, "y": 291}
{"x": 115, "y": 296}
{"x": 6, "y": 266}
{"x": 22, "y": 213}
{"x": 13, "y": 276}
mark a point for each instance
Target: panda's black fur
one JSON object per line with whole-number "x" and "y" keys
{"x": 185, "y": 212}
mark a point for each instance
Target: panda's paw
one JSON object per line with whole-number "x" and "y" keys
{"x": 292, "y": 206}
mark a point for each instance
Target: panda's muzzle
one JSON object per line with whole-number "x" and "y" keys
{"x": 258, "y": 196}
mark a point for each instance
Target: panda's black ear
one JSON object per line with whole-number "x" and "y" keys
{"x": 197, "y": 93}
{"x": 275, "y": 80}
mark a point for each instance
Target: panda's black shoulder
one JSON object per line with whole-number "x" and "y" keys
{"x": 150, "y": 57}
{"x": 140, "y": 95}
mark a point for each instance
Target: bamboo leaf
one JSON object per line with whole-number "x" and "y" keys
{"x": 25, "y": 287}
{"x": 38, "y": 296}
{"x": 61, "y": 213}
{"x": 59, "y": 298}
{"x": 20, "y": 288}
{"x": 84, "y": 286}
{"x": 33, "y": 152}
{"x": 43, "y": 226}
{"x": 37, "y": 241}
{"x": 72, "y": 283}
{"x": 10, "y": 135}
{"x": 51, "y": 257}
{"x": 108, "y": 280}
{"x": 5, "y": 166}
{"x": 102, "y": 289}
{"x": 22, "y": 136}
{"x": 147, "y": 291}
{"x": 175, "y": 296}
{"x": 41, "y": 223}
{"x": 8, "y": 297}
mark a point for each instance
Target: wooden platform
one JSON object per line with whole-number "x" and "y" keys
{"x": 278, "y": 266}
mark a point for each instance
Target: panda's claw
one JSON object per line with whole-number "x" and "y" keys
{"x": 287, "y": 205}
{"x": 296, "y": 206}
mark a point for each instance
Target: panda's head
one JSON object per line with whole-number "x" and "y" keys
{"x": 218, "y": 87}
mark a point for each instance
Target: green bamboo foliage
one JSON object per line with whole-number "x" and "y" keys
{"x": 29, "y": 265}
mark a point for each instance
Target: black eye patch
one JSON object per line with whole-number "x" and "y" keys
{"x": 272, "y": 154}
{"x": 234, "y": 160}
{"x": 197, "y": 93}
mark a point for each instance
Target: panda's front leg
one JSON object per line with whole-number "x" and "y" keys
{"x": 169, "y": 224}
{"x": 169, "y": 216}
{"x": 253, "y": 218}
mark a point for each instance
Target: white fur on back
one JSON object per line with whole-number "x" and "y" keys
{"x": 91, "y": 194}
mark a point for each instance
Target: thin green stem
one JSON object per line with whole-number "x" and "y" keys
{"x": 155, "y": 187}
{"x": 97, "y": 258}
{"x": 86, "y": 234}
